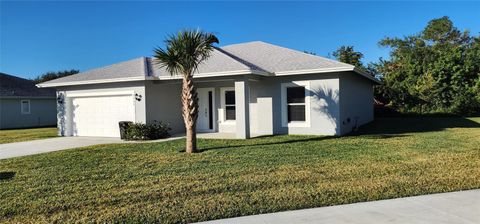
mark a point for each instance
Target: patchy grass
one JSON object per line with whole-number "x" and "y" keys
{"x": 21, "y": 135}
{"x": 155, "y": 183}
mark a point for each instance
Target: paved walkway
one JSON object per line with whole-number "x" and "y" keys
{"x": 456, "y": 207}
{"x": 17, "y": 149}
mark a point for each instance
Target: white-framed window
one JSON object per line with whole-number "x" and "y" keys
{"x": 25, "y": 106}
{"x": 295, "y": 104}
{"x": 228, "y": 104}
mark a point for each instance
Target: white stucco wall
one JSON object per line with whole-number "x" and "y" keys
{"x": 356, "y": 102}
{"x": 64, "y": 110}
{"x": 265, "y": 104}
{"x": 323, "y": 90}
{"x": 336, "y": 102}
{"x": 163, "y": 103}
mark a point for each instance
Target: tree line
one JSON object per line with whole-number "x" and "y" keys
{"x": 54, "y": 75}
{"x": 434, "y": 71}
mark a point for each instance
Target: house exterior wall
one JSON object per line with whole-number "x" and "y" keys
{"x": 163, "y": 103}
{"x": 356, "y": 101}
{"x": 42, "y": 113}
{"x": 323, "y": 100}
{"x": 265, "y": 104}
{"x": 336, "y": 102}
{"x": 64, "y": 110}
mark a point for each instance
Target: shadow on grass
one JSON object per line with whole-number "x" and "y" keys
{"x": 6, "y": 175}
{"x": 402, "y": 125}
{"x": 318, "y": 138}
{"x": 381, "y": 128}
{"x": 381, "y": 136}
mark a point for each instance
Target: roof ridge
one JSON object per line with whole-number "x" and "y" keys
{"x": 147, "y": 64}
{"x": 15, "y": 77}
{"x": 240, "y": 60}
{"x": 248, "y": 42}
{"x": 291, "y": 50}
{"x": 307, "y": 54}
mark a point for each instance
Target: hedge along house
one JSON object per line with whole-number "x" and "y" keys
{"x": 246, "y": 89}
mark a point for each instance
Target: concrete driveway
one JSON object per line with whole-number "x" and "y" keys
{"x": 51, "y": 144}
{"x": 455, "y": 207}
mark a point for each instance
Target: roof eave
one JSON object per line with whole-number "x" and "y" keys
{"x": 27, "y": 97}
{"x": 313, "y": 71}
{"x": 89, "y": 82}
{"x": 218, "y": 74}
{"x": 202, "y": 75}
{"x": 367, "y": 75}
{"x": 328, "y": 70}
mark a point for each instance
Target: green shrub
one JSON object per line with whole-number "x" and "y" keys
{"x": 140, "y": 131}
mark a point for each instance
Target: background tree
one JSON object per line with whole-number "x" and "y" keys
{"x": 54, "y": 75}
{"x": 309, "y": 52}
{"x": 436, "y": 70}
{"x": 347, "y": 54}
{"x": 183, "y": 53}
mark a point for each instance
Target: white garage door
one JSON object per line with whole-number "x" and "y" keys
{"x": 99, "y": 115}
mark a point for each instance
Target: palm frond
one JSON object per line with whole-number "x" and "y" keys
{"x": 185, "y": 51}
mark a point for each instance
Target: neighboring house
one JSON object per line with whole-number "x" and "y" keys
{"x": 249, "y": 89}
{"x": 24, "y": 105}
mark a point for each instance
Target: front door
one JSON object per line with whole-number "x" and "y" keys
{"x": 205, "y": 109}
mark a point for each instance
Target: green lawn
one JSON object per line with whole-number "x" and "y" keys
{"x": 157, "y": 183}
{"x": 20, "y": 135}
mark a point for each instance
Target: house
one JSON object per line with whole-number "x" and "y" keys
{"x": 23, "y": 105}
{"x": 246, "y": 89}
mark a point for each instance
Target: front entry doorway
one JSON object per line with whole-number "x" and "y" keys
{"x": 206, "y": 105}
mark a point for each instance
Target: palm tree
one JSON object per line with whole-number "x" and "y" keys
{"x": 183, "y": 53}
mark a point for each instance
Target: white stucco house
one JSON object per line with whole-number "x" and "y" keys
{"x": 247, "y": 89}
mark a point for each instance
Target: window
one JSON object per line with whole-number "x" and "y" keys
{"x": 25, "y": 106}
{"x": 296, "y": 103}
{"x": 295, "y": 100}
{"x": 229, "y": 105}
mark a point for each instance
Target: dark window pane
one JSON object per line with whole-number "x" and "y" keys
{"x": 296, "y": 113}
{"x": 296, "y": 94}
{"x": 230, "y": 112}
{"x": 230, "y": 97}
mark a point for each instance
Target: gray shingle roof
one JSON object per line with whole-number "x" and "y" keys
{"x": 246, "y": 58}
{"x": 218, "y": 62}
{"x": 277, "y": 59}
{"x": 12, "y": 86}
{"x": 127, "y": 69}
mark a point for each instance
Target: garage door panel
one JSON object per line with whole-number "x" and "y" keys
{"x": 99, "y": 116}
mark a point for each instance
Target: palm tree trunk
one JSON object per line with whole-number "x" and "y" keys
{"x": 190, "y": 112}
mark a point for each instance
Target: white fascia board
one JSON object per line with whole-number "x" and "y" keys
{"x": 367, "y": 75}
{"x": 217, "y": 74}
{"x": 98, "y": 81}
{"x": 327, "y": 70}
{"x": 313, "y": 71}
{"x": 202, "y": 75}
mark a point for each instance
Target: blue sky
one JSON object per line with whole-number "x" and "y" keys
{"x": 36, "y": 37}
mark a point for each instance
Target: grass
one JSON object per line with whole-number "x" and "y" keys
{"x": 155, "y": 183}
{"x": 21, "y": 135}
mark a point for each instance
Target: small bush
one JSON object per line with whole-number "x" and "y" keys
{"x": 140, "y": 131}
